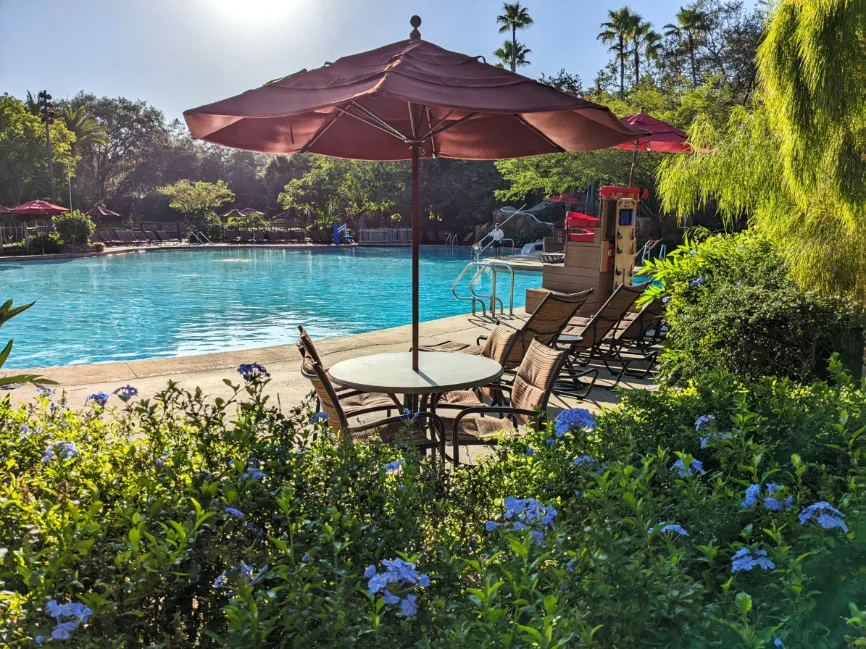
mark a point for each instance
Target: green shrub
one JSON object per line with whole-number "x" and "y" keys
{"x": 74, "y": 227}
{"x": 731, "y": 306}
{"x": 179, "y": 525}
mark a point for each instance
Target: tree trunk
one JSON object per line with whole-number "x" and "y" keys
{"x": 514, "y": 48}
{"x": 636, "y": 64}
{"x": 621, "y": 67}
{"x": 692, "y": 58}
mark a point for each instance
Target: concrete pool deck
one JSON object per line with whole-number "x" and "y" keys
{"x": 207, "y": 371}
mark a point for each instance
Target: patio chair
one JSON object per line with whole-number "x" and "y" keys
{"x": 353, "y": 401}
{"x": 151, "y": 237}
{"x": 593, "y": 332}
{"x": 388, "y": 430}
{"x": 509, "y": 346}
{"x": 634, "y": 341}
{"x": 160, "y": 237}
{"x": 529, "y": 393}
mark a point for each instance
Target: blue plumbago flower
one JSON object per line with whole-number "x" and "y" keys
{"x": 710, "y": 437}
{"x": 98, "y": 398}
{"x": 80, "y": 611}
{"x": 776, "y": 505}
{"x": 63, "y": 630}
{"x": 704, "y": 420}
{"x": 529, "y": 513}
{"x": 573, "y": 418}
{"x": 570, "y": 566}
{"x": 252, "y": 372}
{"x": 390, "y": 599}
{"x": 39, "y": 639}
{"x": 514, "y": 506}
{"x": 244, "y": 571}
{"x": 319, "y": 416}
{"x": 593, "y": 463}
{"x": 408, "y": 416}
{"x": 828, "y": 516}
{"x": 393, "y": 466}
{"x": 408, "y": 606}
{"x": 695, "y": 467}
{"x": 751, "y": 498}
{"x": 253, "y": 473}
{"x": 671, "y": 528}
{"x": 45, "y": 391}
{"x": 746, "y": 559}
{"x": 693, "y": 252}
{"x": 491, "y": 525}
{"x": 370, "y": 572}
{"x": 424, "y": 581}
{"x": 696, "y": 282}
{"x": 126, "y": 392}
{"x": 530, "y": 452}
{"x": 255, "y": 530}
{"x": 401, "y": 487}
{"x": 519, "y": 526}
{"x": 778, "y": 642}
{"x": 550, "y": 442}
{"x": 221, "y": 582}
{"x": 236, "y": 513}
{"x": 666, "y": 299}
{"x": 62, "y": 450}
{"x": 398, "y": 575}
{"x": 305, "y": 558}
{"x": 538, "y": 536}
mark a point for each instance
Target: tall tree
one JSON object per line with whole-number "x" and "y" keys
{"x": 512, "y": 18}
{"x": 197, "y": 200}
{"x": 795, "y": 165}
{"x": 88, "y": 132}
{"x": 509, "y": 56}
{"x": 616, "y": 32}
{"x": 644, "y": 42}
{"x": 691, "y": 24}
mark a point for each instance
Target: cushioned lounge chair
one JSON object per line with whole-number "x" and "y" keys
{"x": 592, "y": 333}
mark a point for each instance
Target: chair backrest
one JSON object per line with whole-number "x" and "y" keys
{"x": 535, "y": 378}
{"x": 305, "y": 340}
{"x": 316, "y": 374}
{"x": 544, "y": 325}
{"x": 648, "y": 317}
{"x": 609, "y": 315}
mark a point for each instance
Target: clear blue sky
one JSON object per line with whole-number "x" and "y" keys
{"x": 178, "y": 54}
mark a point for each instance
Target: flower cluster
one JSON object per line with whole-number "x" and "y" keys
{"x": 696, "y": 282}
{"x": 234, "y": 513}
{"x": 704, "y": 420}
{"x": 746, "y": 559}
{"x": 695, "y": 467}
{"x": 99, "y": 398}
{"x": 126, "y": 392}
{"x": 74, "y": 614}
{"x": 45, "y": 391}
{"x": 319, "y": 416}
{"x": 828, "y": 516}
{"x": 573, "y": 418}
{"x": 526, "y": 513}
{"x": 252, "y": 372}
{"x": 671, "y": 528}
{"x": 253, "y": 472}
{"x": 771, "y": 502}
{"x": 393, "y": 466}
{"x": 584, "y": 459}
{"x": 398, "y": 575}
{"x": 62, "y": 450}
{"x": 707, "y": 421}
{"x": 408, "y": 417}
{"x": 246, "y": 572}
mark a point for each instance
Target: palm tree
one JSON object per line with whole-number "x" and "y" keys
{"x": 644, "y": 41}
{"x": 87, "y": 130}
{"x": 514, "y": 17}
{"x": 32, "y": 104}
{"x": 691, "y": 24}
{"x": 509, "y": 56}
{"x": 616, "y": 33}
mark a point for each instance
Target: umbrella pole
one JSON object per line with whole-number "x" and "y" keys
{"x": 416, "y": 235}
{"x": 633, "y": 161}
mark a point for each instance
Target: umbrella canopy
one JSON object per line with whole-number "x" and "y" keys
{"x": 39, "y": 208}
{"x": 564, "y": 198}
{"x": 662, "y": 137}
{"x": 102, "y": 212}
{"x": 409, "y": 100}
{"x": 234, "y": 212}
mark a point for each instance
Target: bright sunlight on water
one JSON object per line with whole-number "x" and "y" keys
{"x": 164, "y": 304}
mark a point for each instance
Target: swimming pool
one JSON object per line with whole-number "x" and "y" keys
{"x": 177, "y": 303}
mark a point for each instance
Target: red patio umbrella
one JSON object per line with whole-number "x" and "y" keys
{"x": 564, "y": 198}
{"x": 663, "y": 137}
{"x": 39, "y": 208}
{"x": 409, "y": 100}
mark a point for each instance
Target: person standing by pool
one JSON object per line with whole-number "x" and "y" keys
{"x": 497, "y": 235}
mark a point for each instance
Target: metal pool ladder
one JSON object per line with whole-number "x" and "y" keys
{"x": 481, "y": 268}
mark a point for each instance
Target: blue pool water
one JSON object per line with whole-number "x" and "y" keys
{"x": 176, "y": 303}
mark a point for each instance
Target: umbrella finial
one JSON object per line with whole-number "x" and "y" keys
{"x": 415, "y": 21}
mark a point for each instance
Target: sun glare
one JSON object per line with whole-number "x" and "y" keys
{"x": 253, "y": 11}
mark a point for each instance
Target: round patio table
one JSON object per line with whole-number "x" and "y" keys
{"x": 438, "y": 372}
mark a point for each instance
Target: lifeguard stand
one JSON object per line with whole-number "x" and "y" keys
{"x": 599, "y": 251}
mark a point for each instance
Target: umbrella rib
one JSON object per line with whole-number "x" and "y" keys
{"x": 380, "y": 123}
{"x": 321, "y": 132}
{"x": 375, "y": 125}
{"x": 441, "y": 129}
{"x": 538, "y": 133}
{"x": 430, "y": 124}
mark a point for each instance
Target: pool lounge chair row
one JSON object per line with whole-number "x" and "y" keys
{"x": 271, "y": 236}
{"x": 131, "y": 237}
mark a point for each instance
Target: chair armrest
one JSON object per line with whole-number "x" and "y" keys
{"x": 493, "y": 410}
{"x": 435, "y": 420}
{"x": 480, "y": 338}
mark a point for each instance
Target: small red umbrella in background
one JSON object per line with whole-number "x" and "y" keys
{"x": 407, "y": 101}
{"x": 568, "y": 199}
{"x": 39, "y": 208}
{"x": 663, "y": 138}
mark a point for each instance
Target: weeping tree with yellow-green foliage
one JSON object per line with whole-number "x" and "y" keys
{"x": 796, "y": 163}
